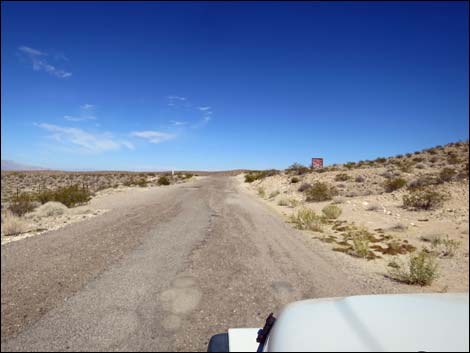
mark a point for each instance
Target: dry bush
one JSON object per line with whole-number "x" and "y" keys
{"x": 447, "y": 174}
{"x": 342, "y": 177}
{"x": 398, "y": 227}
{"x": 320, "y": 192}
{"x": 49, "y": 209}
{"x": 304, "y": 187}
{"x": 444, "y": 247}
{"x": 21, "y": 203}
{"x": 359, "y": 179}
{"x": 421, "y": 269}
{"x": 297, "y": 169}
{"x": 294, "y": 180}
{"x": 12, "y": 224}
{"x": 423, "y": 199}
{"x": 338, "y": 200}
{"x": 360, "y": 245}
{"x": 373, "y": 207}
{"x": 308, "y": 220}
{"x": 423, "y": 181}
{"x": 391, "y": 185}
{"x": 331, "y": 211}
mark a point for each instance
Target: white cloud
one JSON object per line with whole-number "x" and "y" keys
{"x": 40, "y": 64}
{"x": 86, "y": 141}
{"x": 177, "y": 98}
{"x": 204, "y": 109}
{"x": 87, "y": 106}
{"x": 154, "y": 136}
{"x": 31, "y": 51}
{"x": 79, "y": 118}
{"x": 178, "y": 123}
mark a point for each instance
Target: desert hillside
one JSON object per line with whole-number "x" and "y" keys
{"x": 388, "y": 213}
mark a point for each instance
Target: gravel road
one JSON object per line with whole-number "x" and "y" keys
{"x": 164, "y": 269}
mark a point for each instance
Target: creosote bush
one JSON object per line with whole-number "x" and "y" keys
{"x": 297, "y": 169}
{"x": 320, "y": 192}
{"x": 304, "y": 187}
{"x": 391, "y": 185}
{"x": 331, "y": 211}
{"x": 421, "y": 269}
{"x": 259, "y": 174}
{"x": 69, "y": 196}
{"x": 294, "y": 180}
{"x": 21, "y": 203}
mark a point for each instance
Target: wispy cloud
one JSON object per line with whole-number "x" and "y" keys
{"x": 79, "y": 118}
{"x": 40, "y": 64}
{"x": 178, "y": 123}
{"x": 204, "y": 109}
{"x": 85, "y": 114}
{"x": 154, "y": 136}
{"x": 176, "y": 100}
{"x": 87, "y": 141}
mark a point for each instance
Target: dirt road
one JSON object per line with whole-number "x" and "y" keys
{"x": 163, "y": 270}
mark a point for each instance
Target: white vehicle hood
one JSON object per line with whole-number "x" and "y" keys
{"x": 417, "y": 322}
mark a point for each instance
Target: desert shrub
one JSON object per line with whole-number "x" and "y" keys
{"x": 360, "y": 245}
{"x": 406, "y": 167}
{"x": 291, "y": 202}
{"x": 320, "y": 192}
{"x": 342, "y": 177}
{"x": 380, "y": 160}
{"x": 304, "y": 187}
{"x": 274, "y": 194}
{"x": 420, "y": 166}
{"x": 434, "y": 159}
{"x": 423, "y": 181}
{"x": 163, "y": 180}
{"x": 51, "y": 208}
{"x": 21, "y": 203}
{"x": 387, "y": 174}
{"x": 447, "y": 174}
{"x": 297, "y": 169}
{"x": 444, "y": 247}
{"x": 453, "y": 159}
{"x": 259, "y": 174}
{"x": 391, "y": 185}
{"x": 188, "y": 175}
{"x": 294, "y": 180}
{"x": 350, "y": 165}
{"x": 418, "y": 159}
{"x": 71, "y": 196}
{"x": 421, "y": 269}
{"x": 261, "y": 192}
{"x": 12, "y": 224}
{"x": 398, "y": 227}
{"x": 307, "y": 219}
{"x": 331, "y": 211}
{"x": 359, "y": 179}
{"x": 142, "y": 182}
{"x": 423, "y": 199}
{"x": 283, "y": 202}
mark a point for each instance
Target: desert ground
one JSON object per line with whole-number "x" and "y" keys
{"x": 149, "y": 266}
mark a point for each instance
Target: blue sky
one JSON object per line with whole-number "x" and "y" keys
{"x": 212, "y": 86}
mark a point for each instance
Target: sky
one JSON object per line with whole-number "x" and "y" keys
{"x": 227, "y": 85}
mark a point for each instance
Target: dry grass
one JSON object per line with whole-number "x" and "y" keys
{"x": 12, "y": 224}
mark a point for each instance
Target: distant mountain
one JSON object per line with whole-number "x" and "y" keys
{"x": 12, "y": 165}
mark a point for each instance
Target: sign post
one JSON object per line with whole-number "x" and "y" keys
{"x": 317, "y": 162}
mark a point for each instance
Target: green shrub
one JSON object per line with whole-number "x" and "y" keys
{"x": 421, "y": 269}
{"x": 308, "y": 220}
{"x": 350, "y": 165}
{"x": 391, "y": 185}
{"x": 342, "y": 177}
{"x": 71, "y": 196}
{"x": 360, "y": 245}
{"x": 294, "y": 180}
{"x": 447, "y": 174}
{"x": 163, "y": 180}
{"x": 320, "y": 192}
{"x": 331, "y": 211}
{"x": 256, "y": 175}
{"x": 380, "y": 160}
{"x": 423, "y": 199}
{"x": 21, "y": 203}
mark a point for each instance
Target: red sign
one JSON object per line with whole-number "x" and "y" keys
{"x": 317, "y": 162}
